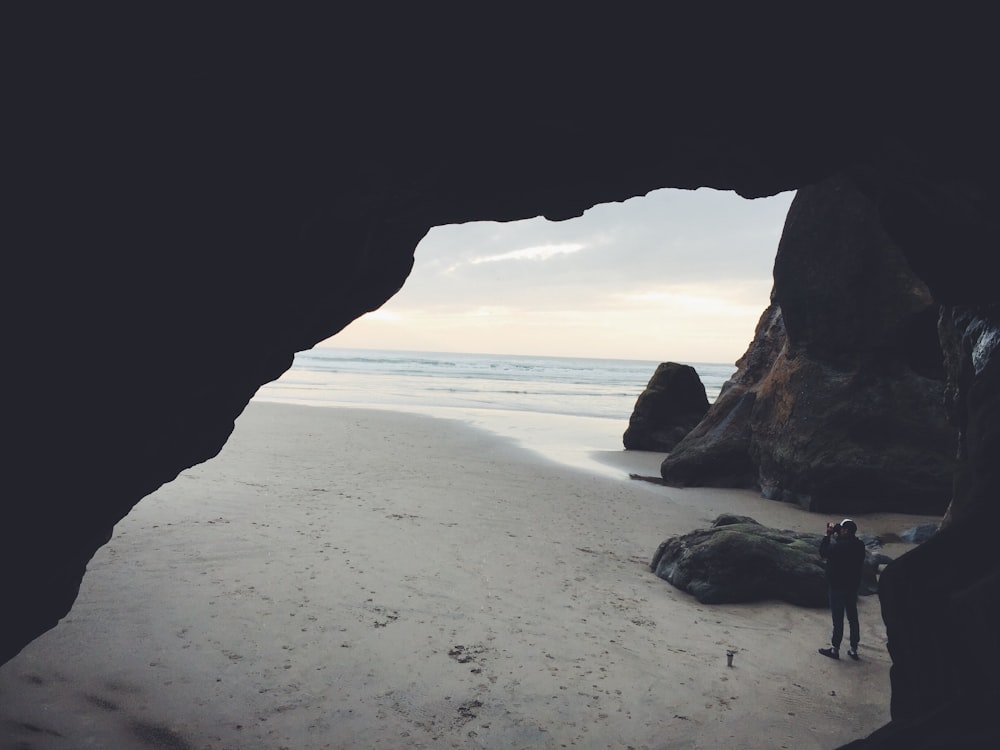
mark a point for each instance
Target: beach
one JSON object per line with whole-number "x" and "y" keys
{"x": 369, "y": 578}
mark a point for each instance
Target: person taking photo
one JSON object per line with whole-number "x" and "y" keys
{"x": 845, "y": 556}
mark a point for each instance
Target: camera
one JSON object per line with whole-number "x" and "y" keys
{"x": 832, "y": 528}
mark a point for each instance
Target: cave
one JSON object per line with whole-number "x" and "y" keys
{"x": 161, "y": 164}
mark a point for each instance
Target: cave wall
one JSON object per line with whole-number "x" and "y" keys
{"x": 194, "y": 198}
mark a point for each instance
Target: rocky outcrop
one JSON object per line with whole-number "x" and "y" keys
{"x": 971, "y": 341}
{"x": 941, "y": 601}
{"x": 192, "y": 203}
{"x": 920, "y": 533}
{"x": 673, "y": 402}
{"x": 838, "y": 405}
{"x": 738, "y": 560}
{"x": 716, "y": 452}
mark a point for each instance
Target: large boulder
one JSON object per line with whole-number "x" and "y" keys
{"x": 673, "y": 402}
{"x": 738, "y": 560}
{"x": 838, "y": 405}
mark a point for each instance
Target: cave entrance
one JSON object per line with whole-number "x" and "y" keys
{"x": 546, "y": 331}
{"x": 338, "y": 577}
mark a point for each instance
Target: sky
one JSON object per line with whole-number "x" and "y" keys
{"x": 675, "y": 275}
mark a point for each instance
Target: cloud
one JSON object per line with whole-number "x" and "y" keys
{"x": 670, "y": 236}
{"x": 676, "y": 268}
{"x": 384, "y": 315}
{"x": 537, "y": 252}
{"x": 733, "y": 294}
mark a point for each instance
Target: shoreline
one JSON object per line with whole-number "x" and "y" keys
{"x": 568, "y": 440}
{"x": 341, "y": 578}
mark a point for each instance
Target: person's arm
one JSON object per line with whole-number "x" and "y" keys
{"x": 824, "y": 547}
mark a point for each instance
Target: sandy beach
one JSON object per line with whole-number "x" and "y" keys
{"x": 349, "y": 578}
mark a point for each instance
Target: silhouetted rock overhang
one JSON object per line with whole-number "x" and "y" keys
{"x": 193, "y": 199}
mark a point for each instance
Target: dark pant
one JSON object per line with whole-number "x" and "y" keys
{"x": 842, "y": 602}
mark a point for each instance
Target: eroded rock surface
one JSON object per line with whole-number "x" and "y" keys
{"x": 838, "y": 405}
{"x": 716, "y": 452}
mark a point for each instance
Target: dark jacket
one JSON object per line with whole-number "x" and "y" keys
{"x": 844, "y": 559}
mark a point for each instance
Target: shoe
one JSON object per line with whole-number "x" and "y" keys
{"x": 831, "y": 652}
{"x": 853, "y": 653}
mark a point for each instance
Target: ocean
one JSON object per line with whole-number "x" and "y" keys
{"x": 562, "y": 407}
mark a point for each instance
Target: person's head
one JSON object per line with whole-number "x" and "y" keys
{"x": 848, "y": 527}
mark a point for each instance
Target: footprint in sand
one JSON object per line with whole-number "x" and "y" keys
{"x": 466, "y": 654}
{"x": 383, "y": 615}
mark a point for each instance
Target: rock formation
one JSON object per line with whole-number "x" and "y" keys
{"x": 920, "y": 533}
{"x": 738, "y": 560}
{"x": 192, "y": 200}
{"x": 839, "y": 403}
{"x": 673, "y": 402}
{"x": 716, "y": 453}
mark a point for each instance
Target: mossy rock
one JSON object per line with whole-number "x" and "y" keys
{"x": 739, "y": 560}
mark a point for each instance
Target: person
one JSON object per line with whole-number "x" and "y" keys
{"x": 845, "y": 558}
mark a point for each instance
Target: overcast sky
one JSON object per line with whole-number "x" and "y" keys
{"x": 675, "y": 275}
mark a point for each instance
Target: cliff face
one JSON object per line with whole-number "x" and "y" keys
{"x": 839, "y": 403}
{"x": 192, "y": 201}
